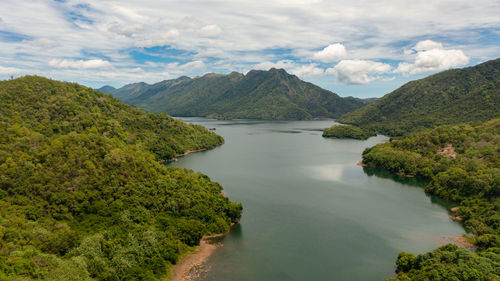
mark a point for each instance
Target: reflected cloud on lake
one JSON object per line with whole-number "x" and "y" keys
{"x": 331, "y": 172}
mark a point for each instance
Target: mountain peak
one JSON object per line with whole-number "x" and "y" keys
{"x": 260, "y": 94}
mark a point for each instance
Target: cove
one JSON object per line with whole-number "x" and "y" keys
{"x": 311, "y": 213}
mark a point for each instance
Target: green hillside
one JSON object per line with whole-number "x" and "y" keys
{"x": 451, "y": 97}
{"x": 83, "y": 196}
{"x": 270, "y": 95}
{"x": 52, "y": 108}
{"x": 462, "y": 164}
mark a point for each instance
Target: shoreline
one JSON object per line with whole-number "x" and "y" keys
{"x": 188, "y": 267}
{"x": 175, "y": 159}
{"x": 460, "y": 241}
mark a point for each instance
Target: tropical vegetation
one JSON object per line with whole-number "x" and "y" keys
{"x": 462, "y": 164}
{"x": 83, "y": 196}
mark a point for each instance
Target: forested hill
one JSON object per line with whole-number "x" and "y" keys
{"x": 50, "y": 107}
{"x": 455, "y": 96}
{"x": 462, "y": 164}
{"x": 270, "y": 95}
{"x": 83, "y": 198}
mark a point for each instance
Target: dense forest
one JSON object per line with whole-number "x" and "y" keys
{"x": 83, "y": 196}
{"x": 269, "y": 95}
{"x": 451, "y": 97}
{"x": 462, "y": 164}
{"x": 346, "y": 131}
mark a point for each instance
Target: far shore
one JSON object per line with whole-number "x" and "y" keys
{"x": 189, "y": 267}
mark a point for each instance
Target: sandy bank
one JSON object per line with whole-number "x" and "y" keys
{"x": 457, "y": 240}
{"x": 186, "y": 153}
{"x": 190, "y": 267}
{"x": 360, "y": 163}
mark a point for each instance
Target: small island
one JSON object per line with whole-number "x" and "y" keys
{"x": 347, "y": 131}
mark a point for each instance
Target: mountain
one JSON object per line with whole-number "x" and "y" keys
{"x": 271, "y": 95}
{"x": 83, "y": 196}
{"x": 107, "y": 89}
{"x": 455, "y": 96}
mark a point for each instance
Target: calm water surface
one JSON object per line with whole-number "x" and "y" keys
{"x": 310, "y": 213}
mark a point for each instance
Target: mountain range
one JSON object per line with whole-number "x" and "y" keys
{"x": 268, "y": 95}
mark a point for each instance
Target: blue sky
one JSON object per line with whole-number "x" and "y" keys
{"x": 358, "y": 48}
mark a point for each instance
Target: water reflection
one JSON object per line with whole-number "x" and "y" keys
{"x": 332, "y": 172}
{"x": 418, "y": 182}
{"x": 382, "y": 173}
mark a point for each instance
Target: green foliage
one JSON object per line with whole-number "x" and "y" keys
{"x": 50, "y": 108}
{"x": 448, "y": 263}
{"x": 346, "y": 131}
{"x": 82, "y": 195}
{"x": 270, "y": 95}
{"x": 462, "y": 164}
{"x": 451, "y": 97}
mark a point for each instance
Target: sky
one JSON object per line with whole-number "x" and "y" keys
{"x": 362, "y": 48}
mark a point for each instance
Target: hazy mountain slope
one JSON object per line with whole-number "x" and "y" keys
{"x": 272, "y": 94}
{"x": 455, "y": 96}
{"x": 107, "y": 89}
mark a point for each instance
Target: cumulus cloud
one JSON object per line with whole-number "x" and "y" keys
{"x": 426, "y": 45}
{"x": 210, "y": 30}
{"x": 79, "y": 64}
{"x": 331, "y": 53}
{"x": 309, "y": 70}
{"x": 358, "y": 71}
{"x": 431, "y": 56}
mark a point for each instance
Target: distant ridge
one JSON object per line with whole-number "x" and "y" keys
{"x": 107, "y": 89}
{"x": 454, "y": 96}
{"x": 268, "y": 95}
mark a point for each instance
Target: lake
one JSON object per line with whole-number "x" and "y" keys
{"x": 309, "y": 212}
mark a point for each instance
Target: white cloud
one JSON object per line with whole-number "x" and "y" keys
{"x": 426, "y": 45}
{"x": 210, "y": 30}
{"x": 79, "y": 64}
{"x": 162, "y": 39}
{"x": 432, "y": 57}
{"x": 331, "y": 53}
{"x": 248, "y": 32}
{"x": 9, "y": 70}
{"x": 190, "y": 66}
{"x": 301, "y": 70}
{"x": 358, "y": 71}
{"x": 310, "y": 70}
{"x": 266, "y": 65}
{"x": 43, "y": 43}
